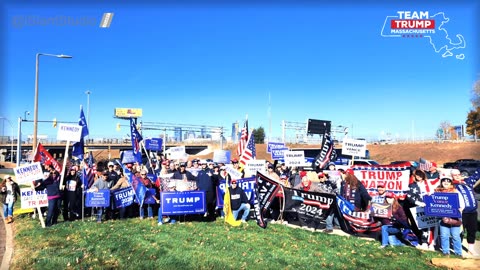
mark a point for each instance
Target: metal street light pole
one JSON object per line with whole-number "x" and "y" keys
{"x": 88, "y": 107}
{"x": 25, "y": 115}
{"x": 35, "y": 110}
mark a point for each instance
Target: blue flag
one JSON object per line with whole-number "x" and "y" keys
{"x": 78, "y": 148}
{"x": 84, "y": 178}
{"x": 140, "y": 189}
{"x": 136, "y": 139}
{"x": 90, "y": 160}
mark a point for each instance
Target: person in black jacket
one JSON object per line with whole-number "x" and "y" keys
{"x": 72, "y": 195}
{"x": 354, "y": 191}
{"x": 9, "y": 194}
{"x": 205, "y": 183}
{"x": 52, "y": 184}
{"x": 239, "y": 201}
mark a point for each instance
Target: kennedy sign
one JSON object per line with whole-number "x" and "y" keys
{"x": 69, "y": 132}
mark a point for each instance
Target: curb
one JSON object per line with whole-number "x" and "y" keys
{"x": 7, "y": 256}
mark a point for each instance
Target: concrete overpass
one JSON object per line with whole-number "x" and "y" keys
{"x": 57, "y": 149}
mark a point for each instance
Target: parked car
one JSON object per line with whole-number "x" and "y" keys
{"x": 466, "y": 166}
{"x": 451, "y": 165}
{"x": 365, "y": 162}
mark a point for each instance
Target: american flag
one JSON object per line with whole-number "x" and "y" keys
{"x": 249, "y": 152}
{"x": 424, "y": 164}
{"x": 243, "y": 139}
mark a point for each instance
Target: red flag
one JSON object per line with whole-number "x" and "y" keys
{"x": 44, "y": 157}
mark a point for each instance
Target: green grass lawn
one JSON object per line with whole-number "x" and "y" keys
{"x": 141, "y": 244}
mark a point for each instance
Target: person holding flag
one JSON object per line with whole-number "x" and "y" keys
{"x": 136, "y": 138}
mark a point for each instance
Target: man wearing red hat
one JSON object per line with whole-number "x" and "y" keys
{"x": 432, "y": 172}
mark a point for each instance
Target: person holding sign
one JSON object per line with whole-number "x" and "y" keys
{"x": 100, "y": 183}
{"x": 447, "y": 227}
{"x": 391, "y": 227}
{"x": 416, "y": 191}
{"x": 52, "y": 184}
{"x": 72, "y": 196}
{"x": 9, "y": 191}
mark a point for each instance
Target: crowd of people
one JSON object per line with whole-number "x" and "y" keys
{"x": 66, "y": 198}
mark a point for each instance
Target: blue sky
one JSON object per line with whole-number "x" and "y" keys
{"x": 213, "y": 63}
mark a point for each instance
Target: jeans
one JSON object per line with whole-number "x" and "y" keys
{"x": 160, "y": 219}
{"x": 53, "y": 211}
{"x": 445, "y": 232}
{"x": 389, "y": 236}
{"x": 99, "y": 214}
{"x": 149, "y": 211}
{"x": 330, "y": 220}
{"x": 8, "y": 210}
{"x": 246, "y": 210}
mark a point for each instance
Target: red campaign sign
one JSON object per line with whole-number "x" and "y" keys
{"x": 395, "y": 179}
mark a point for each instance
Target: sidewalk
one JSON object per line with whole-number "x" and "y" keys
{"x": 6, "y": 243}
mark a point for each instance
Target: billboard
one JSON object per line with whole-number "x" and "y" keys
{"x": 128, "y": 113}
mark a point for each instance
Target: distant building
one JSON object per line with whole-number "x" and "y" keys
{"x": 177, "y": 134}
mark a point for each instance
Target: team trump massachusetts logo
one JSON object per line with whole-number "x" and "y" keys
{"x": 422, "y": 24}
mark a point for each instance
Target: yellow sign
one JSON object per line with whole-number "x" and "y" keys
{"x": 128, "y": 113}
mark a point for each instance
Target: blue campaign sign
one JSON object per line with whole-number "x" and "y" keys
{"x": 128, "y": 157}
{"x": 123, "y": 197}
{"x": 274, "y": 145}
{"x": 221, "y": 156}
{"x": 98, "y": 199}
{"x": 188, "y": 202}
{"x": 154, "y": 144}
{"x": 442, "y": 205}
{"x": 279, "y": 153}
{"x": 248, "y": 185}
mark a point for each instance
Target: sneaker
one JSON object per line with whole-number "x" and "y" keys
{"x": 160, "y": 224}
{"x": 243, "y": 221}
{"x": 206, "y": 214}
{"x": 431, "y": 248}
{"x": 328, "y": 231}
{"x": 423, "y": 246}
{"x": 382, "y": 246}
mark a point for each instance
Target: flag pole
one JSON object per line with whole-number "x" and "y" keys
{"x": 65, "y": 157}
{"x": 40, "y": 216}
{"x": 83, "y": 188}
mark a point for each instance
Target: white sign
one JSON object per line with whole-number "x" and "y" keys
{"x": 221, "y": 156}
{"x": 421, "y": 219}
{"x": 294, "y": 158}
{"x": 177, "y": 152}
{"x": 28, "y": 173}
{"x": 69, "y": 132}
{"x": 356, "y": 148}
{"x": 233, "y": 172}
{"x": 33, "y": 199}
{"x": 253, "y": 166}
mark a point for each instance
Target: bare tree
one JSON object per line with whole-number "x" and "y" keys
{"x": 446, "y": 128}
